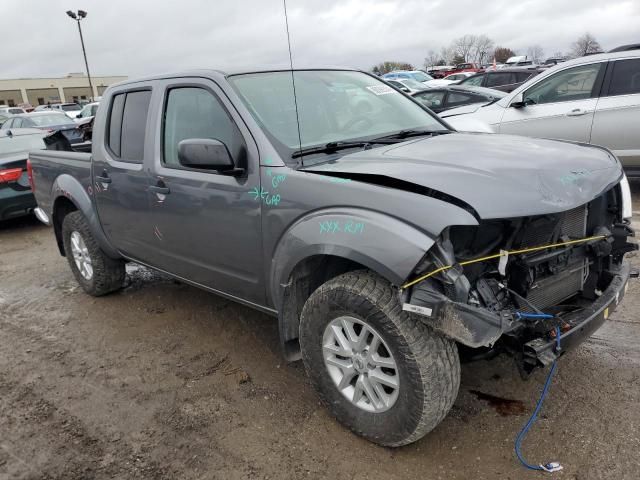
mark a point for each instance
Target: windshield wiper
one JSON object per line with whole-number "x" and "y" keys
{"x": 334, "y": 147}
{"x": 412, "y": 133}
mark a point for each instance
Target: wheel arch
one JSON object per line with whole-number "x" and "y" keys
{"x": 304, "y": 259}
{"x": 69, "y": 196}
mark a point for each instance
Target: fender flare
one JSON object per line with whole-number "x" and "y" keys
{"x": 382, "y": 243}
{"x": 68, "y": 187}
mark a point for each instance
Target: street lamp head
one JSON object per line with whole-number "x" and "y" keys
{"x": 71, "y": 14}
{"x": 82, "y": 13}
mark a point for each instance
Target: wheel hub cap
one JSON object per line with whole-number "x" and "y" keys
{"x": 360, "y": 364}
{"x": 81, "y": 256}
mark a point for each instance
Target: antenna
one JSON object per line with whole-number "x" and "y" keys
{"x": 293, "y": 80}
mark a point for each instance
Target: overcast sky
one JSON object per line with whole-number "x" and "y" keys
{"x": 139, "y": 37}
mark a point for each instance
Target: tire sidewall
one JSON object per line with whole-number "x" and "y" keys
{"x": 388, "y": 427}
{"x": 74, "y": 223}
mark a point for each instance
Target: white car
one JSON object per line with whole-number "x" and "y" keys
{"x": 4, "y": 110}
{"x": 593, "y": 99}
{"x": 88, "y": 111}
{"x": 407, "y": 85}
{"x": 71, "y": 110}
{"x": 449, "y": 79}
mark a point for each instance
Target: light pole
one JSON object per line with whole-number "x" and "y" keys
{"x": 77, "y": 17}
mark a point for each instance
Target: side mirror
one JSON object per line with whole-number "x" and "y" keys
{"x": 405, "y": 89}
{"x": 207, "y": 154}
{"x": 79, "y": 115}
{"x": 518, "y": 101}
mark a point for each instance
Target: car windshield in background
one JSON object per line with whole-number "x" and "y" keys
{"x": 15, "y": 111}
{"x": 333, "y": 106}
{"x": 421, "y": 77}
{"x": 50, "y": 119}
{"x": 67, "y": 107}
{"x": 414, "y": 85}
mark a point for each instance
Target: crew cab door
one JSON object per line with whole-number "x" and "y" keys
{"x": 207, "y": 226}
{"x": 119, "y": 180}
{"x": 617, "y": 121}
{"x": 559, "y": 106}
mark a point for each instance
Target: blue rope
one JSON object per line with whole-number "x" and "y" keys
{"x": 552, "y": 466}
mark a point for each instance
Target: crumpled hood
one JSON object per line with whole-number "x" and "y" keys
{"x": 499, "y": 176}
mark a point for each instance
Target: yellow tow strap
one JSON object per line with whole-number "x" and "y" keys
{"x": 502, "y": 254}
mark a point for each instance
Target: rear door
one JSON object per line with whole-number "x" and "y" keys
{"x": 120, "y": 181}
{"x": 207, "y": 225}
{"x": 616, "y": 124}
{"x": 504, "y": 81}
{"x": 559, "y": 106}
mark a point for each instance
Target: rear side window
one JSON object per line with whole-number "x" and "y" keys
{"x": 456, "y": 98}
{"x": 499, "y": 78}
{"x": 127, "y": 125}
{"x": 522, "y": 76}
{"x": 626, "y": 77}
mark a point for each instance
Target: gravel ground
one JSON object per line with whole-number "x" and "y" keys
{"x": 162, "y": 380}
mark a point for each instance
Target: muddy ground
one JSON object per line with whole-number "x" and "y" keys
{"x": 162, "y": 380}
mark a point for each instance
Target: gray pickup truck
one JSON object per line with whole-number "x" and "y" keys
{"x": 387, "y": 245}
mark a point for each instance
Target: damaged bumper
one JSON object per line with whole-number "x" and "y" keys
{"x": 543, "y": 352}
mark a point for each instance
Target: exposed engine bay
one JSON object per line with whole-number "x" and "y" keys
{"x": 504, "y": 285}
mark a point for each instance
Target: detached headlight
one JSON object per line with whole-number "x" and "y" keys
{"x": 627, "y": 206}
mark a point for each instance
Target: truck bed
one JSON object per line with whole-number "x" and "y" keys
{"x": 50, "y": 165}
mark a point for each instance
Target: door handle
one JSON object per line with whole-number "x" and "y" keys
{"x": 104, "y": 178}
{"x": 576, "y": 112}
{"x": 161, "y": 190}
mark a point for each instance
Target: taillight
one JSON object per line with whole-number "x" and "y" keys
{"x": 30, "y": 175}
{"x": 10, "y": 175}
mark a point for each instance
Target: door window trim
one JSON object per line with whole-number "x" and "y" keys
{"x": 163, "y": 110}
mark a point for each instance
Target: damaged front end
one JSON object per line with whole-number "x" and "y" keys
{"x": 493, "y": 286}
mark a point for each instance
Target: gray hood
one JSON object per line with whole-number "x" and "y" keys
{"x": 499, "y": 176}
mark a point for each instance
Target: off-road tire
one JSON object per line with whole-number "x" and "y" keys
{"x": 108, "y": 274}
{"x": 428, "y": 363}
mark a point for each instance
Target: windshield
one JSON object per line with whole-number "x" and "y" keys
{"x": 421, "y": 77}
{"x": 50, "y": 119}
{"x": 67, "y": 107}
{"x": 333, "y": 106}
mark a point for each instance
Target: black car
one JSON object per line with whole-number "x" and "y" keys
{"x": 49, "y": 121}
{"x": 439, "y": 99}
{"x": 505, "y": 79}
{"x": 16, "y": 197}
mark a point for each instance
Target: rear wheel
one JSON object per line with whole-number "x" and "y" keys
{"x": 383, "y": 374}
{"x": 96, "y": 273}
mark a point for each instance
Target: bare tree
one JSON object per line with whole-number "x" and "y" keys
{"x": 464, "y": 45}
{"x": 585, "y": 45}
{"x": 432, "y": 59}
{"x": 447, "y": 54}
{"x": 535, "y": 53}
{"x": 482, "y": 49}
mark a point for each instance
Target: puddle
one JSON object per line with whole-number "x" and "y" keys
{"x": 504, "y": 406}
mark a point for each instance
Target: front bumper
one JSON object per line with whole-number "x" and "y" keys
{"x": 540, "y": 352}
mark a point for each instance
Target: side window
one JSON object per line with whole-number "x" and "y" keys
{"x": 127, "y": 125}
{"x": 431, "y": 99}
{"x": 575, "y": 83}
{"x": 625, "y": 79}
{"x": 17, "y": 123}
{"x": 456, "y": 98}
{"x": 8, "y": 123}
{"x": 475, "y": 81}
{"x": 522, "y": 76}
{"x": 499, "y": 78}
{"x": 192, "y": 112}
{"x": 115, "y": 123}
{"x": 134, "y": 126}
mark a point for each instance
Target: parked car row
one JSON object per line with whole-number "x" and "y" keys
{"x": 593, "y": 99}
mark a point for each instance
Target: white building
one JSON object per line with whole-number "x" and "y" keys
{"x": 40, "y": 91}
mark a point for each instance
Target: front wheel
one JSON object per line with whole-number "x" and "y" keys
{"x": 96, "y": 273}
{"x": 385, "y": 375}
